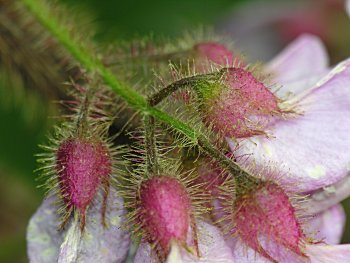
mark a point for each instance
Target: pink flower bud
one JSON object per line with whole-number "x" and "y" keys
{"x": 239, "y": 105}
{"x": 165, "y": 210}
{"x": 267, "y": 213}
{"x": 214, "y": 52}
{"x": 81, "y": 164}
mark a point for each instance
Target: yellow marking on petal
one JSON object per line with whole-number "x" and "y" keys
{"x": 348, "y": 166}
{"x": 175, "y": 254}
{"x": 317, "y": 171}
{"x": 48, "y": 253}
{"x": 267, "y": 149}
{"x": 115, "y": 221}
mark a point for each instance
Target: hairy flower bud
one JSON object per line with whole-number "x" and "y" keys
{"x": 214, "y": 52}
{"x": 237, "y": 105}
{"x": 267, "y": 215}
{"x": 164, "y": 210}
{"x": 80, "y": 165}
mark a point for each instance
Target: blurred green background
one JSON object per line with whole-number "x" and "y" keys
{"x": 24, "y": 120}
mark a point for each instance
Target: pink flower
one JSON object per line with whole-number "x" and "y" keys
{"x": 312, "y": 147}
{"x": 310, "y": 150}
{"x": 212, "y": 248}
{"x": 47, "y": 244}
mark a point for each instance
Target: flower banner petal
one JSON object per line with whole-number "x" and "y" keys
{"x": 304, "y": 61}
{"x": 312, "y": 149}
{"x": 327, "y": 226}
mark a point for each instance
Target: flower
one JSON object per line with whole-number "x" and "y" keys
{"x": 46, "y": 243}
{"x": 311, "y": 148}
{"x": 212, "y": 248}
{"x": 265, "y": 219}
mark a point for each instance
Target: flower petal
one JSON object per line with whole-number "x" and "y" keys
{"x": 326, "y": 197}
{"x": 312, "y": 150}
{"x": 244, "y": 254}
{"x": 328, "y": 253}
{"x": 347, "y": 7}
{"x": 304, "y": 59}
{"x": 98, "y": 244}
{"x": 212, "y": 247}
{"x": 327, "y": 226}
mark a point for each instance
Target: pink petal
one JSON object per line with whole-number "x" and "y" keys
{"x": 98, "y": 244}
{"x": 328, "y": 253}
{"x": 244, "y": 254}
{"x": 327, "y": 226}
{"x": 326, "y": 197}
{"x": 311, "y": 150}
{"x": 144, "y": 254}
{"x": 304, "y": 59}
{"x": 212, "y": 247}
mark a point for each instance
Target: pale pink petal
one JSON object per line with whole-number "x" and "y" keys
{"x": 212, "y": 247}
{"x": 347, "y": 7}
{"x": 304, "y": 61}
{"x": 45, "y": 244}
{"x": 327, "y": 226}
{"x": 244, "y": 254}
{"x": 328, "y": 253}
{"x": 144, "y": 254}
{"x": 326, "y": 197}
{"x": 311, "y": 150}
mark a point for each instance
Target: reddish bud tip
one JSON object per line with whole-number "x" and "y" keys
{"x": 165, "y": 210}
{"x": 214, "y": 52}
{"x": 241, "y": 106}
{"x": 80, "y": 166}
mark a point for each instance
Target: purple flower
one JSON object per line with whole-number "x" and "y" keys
{"x": 310, "y": 150}
{"x": 46, "y": 243}
{"x": 212, "y": 248}
{"x": 311, "y": 147}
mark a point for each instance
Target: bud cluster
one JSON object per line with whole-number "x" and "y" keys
{"x": 171, "y": 187}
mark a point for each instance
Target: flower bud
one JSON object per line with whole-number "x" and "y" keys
{"x": 164, "y": 210}
{"x": 266, "y": 213}
{"x": 81, "y": 164}
{"x": 237, "y": 105}
{"x": 214, "y": 52}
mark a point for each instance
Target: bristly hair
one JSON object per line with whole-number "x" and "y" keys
{"x": 90, "y": 120}
{"x": 136, "y": 62}
{"x": 170, "y": 165}
{"x": 267, "y": 175}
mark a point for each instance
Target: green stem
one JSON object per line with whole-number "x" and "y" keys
{"x": 156, "y": 98}
{"x": 82, "y": 54}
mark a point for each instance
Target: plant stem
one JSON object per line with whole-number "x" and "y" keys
{"x": 83, "y": 55}
{"x": 156, "y": 98}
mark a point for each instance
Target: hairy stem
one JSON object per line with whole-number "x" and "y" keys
{"x": 162, "y": 94}
{"x": 92, "y": 64}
